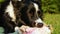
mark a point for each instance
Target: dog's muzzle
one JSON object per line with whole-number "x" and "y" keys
{"x": 38, "y": 23}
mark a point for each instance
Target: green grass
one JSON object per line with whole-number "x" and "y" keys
{"x": 54, "y": 20}
{"x": 2, "y": 1}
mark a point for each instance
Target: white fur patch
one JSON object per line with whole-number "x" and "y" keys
{"x": 10, "y": 11}
{"x": 16, "y": 28}
{"x": 19, "y": 0}
{"x": 38, "y": 20}
{"x": 36, "y": 6}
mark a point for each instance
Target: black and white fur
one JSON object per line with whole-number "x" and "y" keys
{"x": 20, "y": 12}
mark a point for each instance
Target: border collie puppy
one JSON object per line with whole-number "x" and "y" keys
{"x": 20, "y": 12}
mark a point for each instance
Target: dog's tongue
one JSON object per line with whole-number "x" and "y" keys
{"x": 43, "y": 30}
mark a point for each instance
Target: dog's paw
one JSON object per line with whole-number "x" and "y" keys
{"x": 23, "y": 28}
{"x": 17, "y": 28}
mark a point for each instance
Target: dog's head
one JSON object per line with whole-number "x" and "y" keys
{"x": 31, "y": 14}
{"x": 25, "y": 12}
{"x": 21, "y": 12}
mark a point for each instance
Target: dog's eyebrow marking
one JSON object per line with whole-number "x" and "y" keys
{"x": 36, "y": 6}
{"x": 19, "y": 0}
{"x": 10, "y": 11}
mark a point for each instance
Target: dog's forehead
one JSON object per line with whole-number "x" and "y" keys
{"x": 34, "y": 6}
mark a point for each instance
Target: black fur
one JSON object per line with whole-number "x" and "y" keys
{"x": 24, "y": 11}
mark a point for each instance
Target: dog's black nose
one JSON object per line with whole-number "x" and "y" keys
{"x": 40, "y": 25}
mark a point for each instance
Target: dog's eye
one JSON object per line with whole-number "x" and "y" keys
{"x": 32, "y": 11}
{"x": 39, "y": 13}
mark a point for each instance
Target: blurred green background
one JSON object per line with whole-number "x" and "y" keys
{"x": 51, "y": 11}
